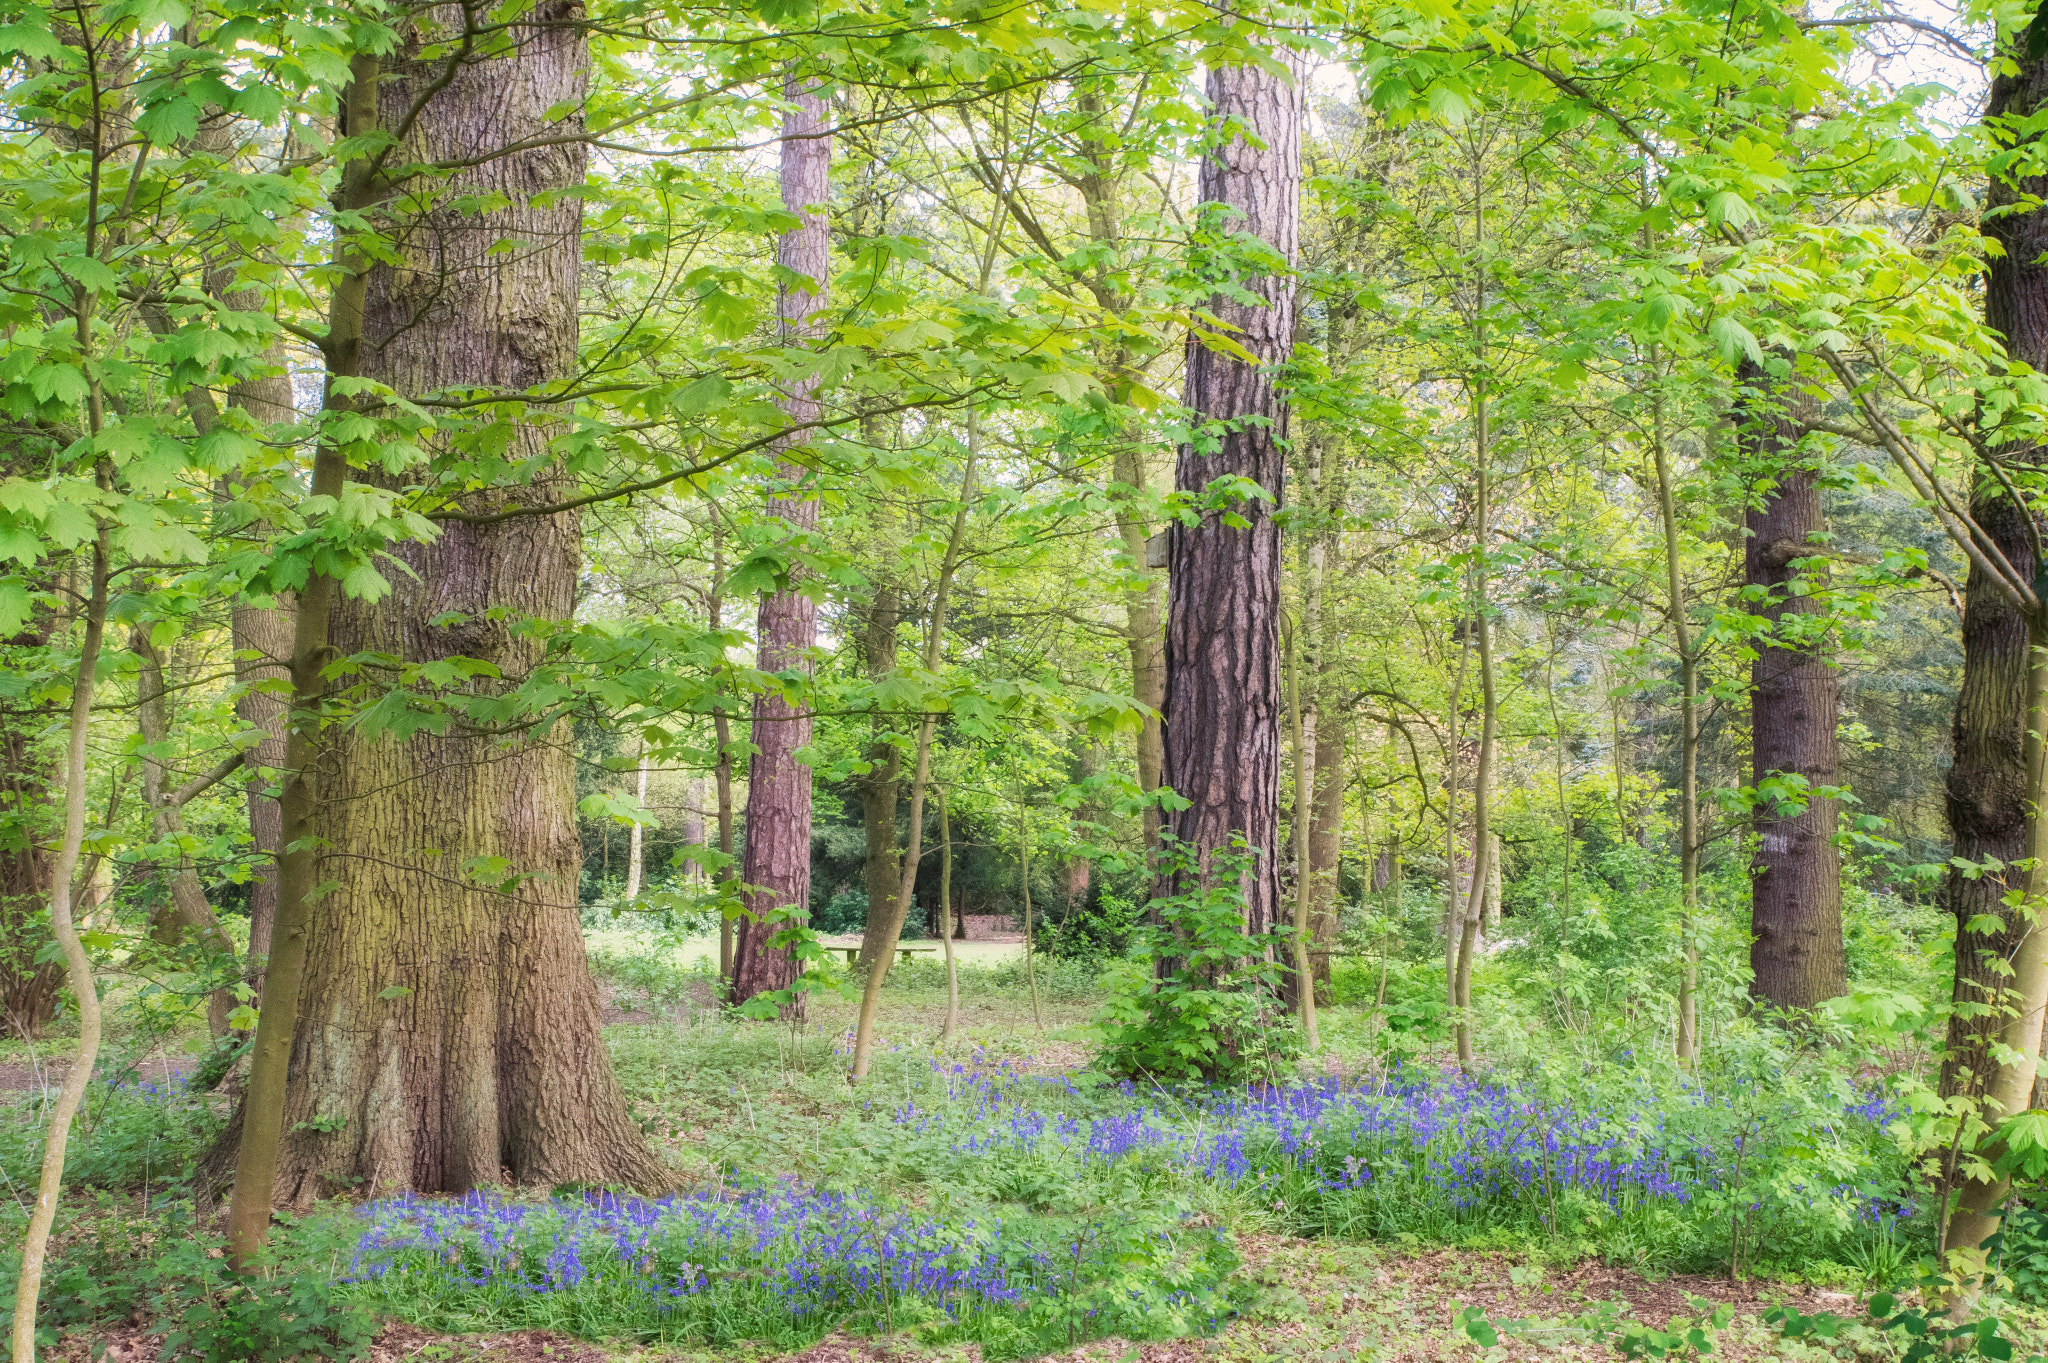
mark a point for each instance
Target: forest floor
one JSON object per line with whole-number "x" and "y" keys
{"x": 1319, "y": 1301}
{"x": 714, "y": 1098}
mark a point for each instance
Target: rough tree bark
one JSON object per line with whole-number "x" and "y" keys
{"x": 778, "y": 848}
{"x": 448, "y": 1031}
{"x": 1223, "y": 702}
{"x": 28, "y": 989}
{"x": 1796, "y": 957}
{"x": 1987, "y": 786}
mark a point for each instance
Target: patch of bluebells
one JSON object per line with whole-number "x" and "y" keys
{"x": 811, "y": 1251}
{"x": 1461, "y": 1143}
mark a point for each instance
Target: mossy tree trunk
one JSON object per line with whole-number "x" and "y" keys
{"x": 448, "y": 1029}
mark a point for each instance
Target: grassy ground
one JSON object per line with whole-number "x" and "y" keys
{"x": 721, "y": 1101}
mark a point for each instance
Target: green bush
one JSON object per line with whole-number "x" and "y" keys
{"x": 1211, "y": 1013}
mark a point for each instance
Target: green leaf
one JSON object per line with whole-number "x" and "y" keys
{"x": 15, "y": 605}
{"x": 58, "y": 383}
{"x": 94, "y": 274}
{"x": 167, "y": 123}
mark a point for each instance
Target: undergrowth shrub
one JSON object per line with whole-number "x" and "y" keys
{"x": 128, "y": 1134}
{"x": 169, "y": 1271}
{"x": 654, "y": 979}
{"x": 1195, "y": 999}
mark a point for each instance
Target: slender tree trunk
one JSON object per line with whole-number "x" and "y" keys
{"x": 1302, "y": 983}
{"x": 184, "y": 918}
{"x": 1144, "y": 610}
{"x": 263, "y": 650}
{"x": 778, "y": 848}
{"x": 889, "y": 929}
{"x": 1797, "y": 959}
{"x": 1325, "y": 844}
{"x": 1678, "y": 608}
{"x": 693, "y": 824}
{"x": 952, "y": 1023}
{"x": 881, "y": 790}
{"x": 450, "y": 1030}
{"x": 1077, "y": 872}
{"x": 636, "y": 839}
{"x": 1030, "y": 933}
{"x": 262, "y": 637}
{"x": 77, "y": 965}
{"x": 1485, "y": 850}
{"x": 1223, "y": 702}
{"x": 254, "y": 1141}
{"x": 721, "y": 772}
{"x": 1457, "y": 851}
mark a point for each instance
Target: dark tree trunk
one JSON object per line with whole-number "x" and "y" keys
{"x": 28, "y": 804}
{"x": 778, "y": 848}
{"x": 448, "y": 1031}
{"x": 882, "y": 788}
{"x": 1987, "y": 814}
{"x": 1222, "y": 699}
{"x": 1796, "y": 957}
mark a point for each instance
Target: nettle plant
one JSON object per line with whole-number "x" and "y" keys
{"x": 1196, "y": 997}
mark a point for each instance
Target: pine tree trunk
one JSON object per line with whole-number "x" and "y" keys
{"x": 448, "y": 1029}
{"x": 28, "y": 989}
{"x": 778, "y": 837}
{"x": 1223, "y": 700}
{"x": 1797, "y": 956}
{"x": 1987, "y": 785}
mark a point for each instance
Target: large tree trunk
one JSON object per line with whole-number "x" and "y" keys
{"x": 1223, "y": 702}
{"x": 448, "y": 1031}
{"x": 1797, "y": 957}
{"x": 778, "y": 834}
{"x": 1987, "y": 786}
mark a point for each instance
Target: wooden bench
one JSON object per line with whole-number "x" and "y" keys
{"x": 853, "y": 953}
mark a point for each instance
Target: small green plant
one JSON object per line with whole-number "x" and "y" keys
{"x": 1607, "y": 1322}
{"x": 1928, "y": 1334}
{"x": 168, "y": 1271}
{"x": 1196, "y": 998}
